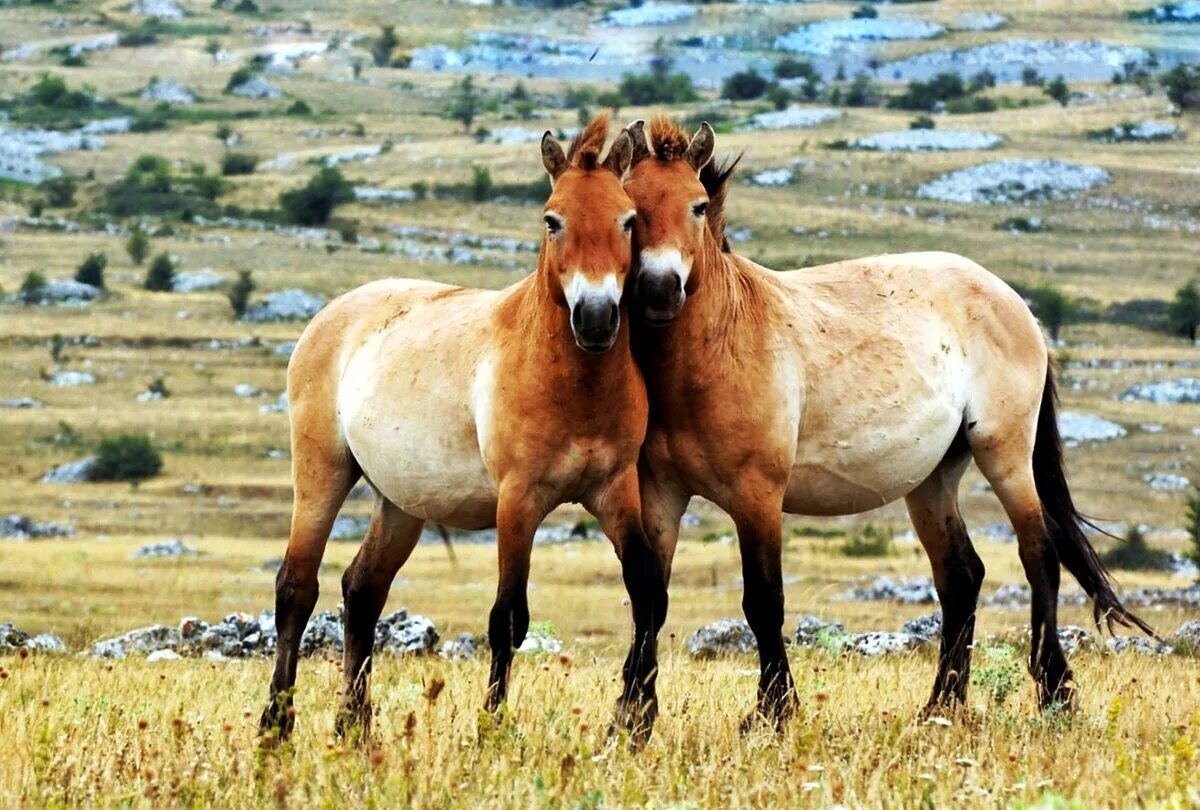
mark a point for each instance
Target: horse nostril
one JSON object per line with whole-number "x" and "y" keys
{"x": 577, "y": 318}
{"x": 613, "y": 315}
{"x": 678, "y": 283}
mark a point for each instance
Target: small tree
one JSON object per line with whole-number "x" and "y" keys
{"x": 59, "y": 191}
{"x": 138, "y": 246}
{"x": 224, "y": 133}
{"x": 1054, "y": 309}
{"x": 1182, "y": 84}
{"x": 381, "y": 50}
{"x": 239, "y": 293}
{"x": 982, "y": 80}
{"x": 127, "y": 457}
{"x": 922, "y": 122}
{"x": 466, "y": 104}
{"x": 866, "y": 11}
{"x": 32, "y": 288}
{"x": 1183, "y": 313}
{"x": 1192, "y": 525}
{"x": 744, "y": 85}
{"x": 92, "y": 270}
{"x": 1031, "y": 78}
{"x": 161, "y": 275}
{"x": 313, "y": 203}
{"x": 238, "y": 163}
{"x": 1058, "y": 90}
{"x": 481, "y": 183}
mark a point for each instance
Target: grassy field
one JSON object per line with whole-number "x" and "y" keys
{"x": 131, "y": 733}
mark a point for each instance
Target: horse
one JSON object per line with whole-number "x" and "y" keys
{"x": 838, "y": 389}
{"x": 473, "y": 409}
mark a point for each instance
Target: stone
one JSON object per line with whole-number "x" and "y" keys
{"x": 349, "y": 527}
{"x": 279, "y": 406}
{"x": 246, "y": 391}
{"x": 167, "y": 548}
{"x": 67, "y": 291}
{"x": 1137, "y": 644}
{"x": 794, "y": 118}
{"x": 1167, "y": 481}
{"x": 1075, "y": 60}
{"x": 1074, "y": 638}
{"x": 325, "y": 634}
{"x": 826, "y": 37}
{"x": 1014, "y": 180}
{"x": 460, "y": 648}
{"x": 1184, "y": 391}
{"x": 403, "y": 634}
{"x": 163, "y": 655}
{"x": 12, "y": 639}
{"x": 875, "y": 643}
{"x": 168, "y": 91}
{"x": 351, "y": 155}
{"x": 19, "y": 527}
{"x": 144, "y": 640}
{"x": 649, "y": 13}
{"x": 71, "y": 379}
{"x": 514, "y": 136}
{"x": 73, "y": 472}
{"x": 196, "y": 281}
{"x": 925, "y": 628}
{"x": 21, "y": 402}
{"x": 1082, "y": 427}
{"x": 918, "y": 591}
{"x": 722, "y": 637}
{"x": 284, "y": 305}
{"x": 927, "y": 140}
{"x": 772, "y": 177}
{"x": 257, "y": 88}
{"x": 979, "y": 21}
{"x": 540, "y": 644}
{"x": 372, "y": 194}
{"x": 159, "y": 9}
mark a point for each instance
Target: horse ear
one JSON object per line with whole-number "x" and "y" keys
{"x": 552, "y": 156}
{"x": 619, "y": 155}
{"x": 700, "y": 150}
{"x": 637, "y": 137}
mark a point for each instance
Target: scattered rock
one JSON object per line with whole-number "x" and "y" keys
{"x": 284, "y": 349}
{"x": 285, "y": 305}
{"x": 979, "y": 21}
{"x": 12, "y": 639}
{"x": 461, "y": 647}
{"x": 196, "y": 281}
{"x": 144, "y": 640}
{"x": 402, "y": 634}
{"x": 325, "y": 633}
{"x": 1167, "y": 481}
{"x": 772, "y": 177}
{"x": 71, "y": 379}
{"x": 1075, "y": 638}
{"x": 19, "y": 527}
{"x": 349, "y": 155}
{"x": 794, "y": 118}
{"x": 159, "y": 9}
{"x": 825, "y": 37}
{"x": 257, "y": 88}
{"x": 1137, "y": 644}
{"x": 163, "y": 655}
{"x": 67, "y": 291}
{"x": 73, "y": 472}
{"x": 100, "y": 43}
{"x": 539, "y": 644}
{"x": 1075, "y": 60}
{"x": 925, "y": 628}
{"x": 280, "y": 406}
{"x": 919, "y": 591}
{"x": 1185, "y": 391}
{"x": 515, "y": 136}
{"x": 1083, "y": 427}
{"x": 1144, "y": 132}
{"x": 811, "y": 630}
{"x": 20, "y": 402}
{"x": 880, "y": 643}
{"x": 1187, "y": 637}
{"x": 370, "y": 194}
{"x": 1015, "y": 180}
{"x": 650, "y": 13}
{"x": 168, "y": 91}
{"x": 1185, "y": 11}
{"x": 927, "y": 140}
{"x": 167, "y": 548}
{"x": 723, "y": 637}
{"x": 245, "y": 391}
{"x": 349, "y": 527}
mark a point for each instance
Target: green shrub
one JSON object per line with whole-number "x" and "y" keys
{"x": 983, "y": 80}
{"x": 59, "y": 191}
{"x": 1022, "y": 224}
{"x": 381, "y": 48}
{"x": 161, "y": 275}
{"x": 150, "y": 188}
{"x": 466, "y": 103}
{"x": 1192, "y": 525}
{"x": 866, "y": 11}
{"x": 1000, "y": 676}
{"x": 861, "y": 93}
{"x": 870, "y": 542}
{"x": 1053, "y": 308}
{"x": 92, "y": 270}
{"x": 1031, "y": 78}
{"x": 481, "y": 183}
{"x": 1135, "y": 554}
{"x": 313, "y": 203}
{"x": 238, "y": 78}
{"x": 1058, "y": 90}
{"x": 32, "y": 287}
{"x": 790, "y": 68}
{"x": 1182, "y": 84}
{"x": 233, "y": 163}
{"x": 1183, "y": 313}
{"x": 744, "y": 85}
{"x": 299, "y": 107}
{"x": 137, "y": 246}
{"x": 239, "y": 293}
{"x": 127, "y": 457}
{"x": 922, "y": 122}
{"x": 925, "y": 96}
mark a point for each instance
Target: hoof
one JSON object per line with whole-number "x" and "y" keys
{"x": 276, "y": 723}
{"x": 1060, "y": 699}
{"x": 353, "y": 723}
{"x": 635, "y": 717}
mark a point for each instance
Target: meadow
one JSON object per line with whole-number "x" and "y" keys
{"x": 87, "y": 731}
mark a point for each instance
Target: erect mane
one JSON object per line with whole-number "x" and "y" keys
{"x": 669, "y": 141}
{"x": 586, "y": 147}
{"x": 715, "y": 179}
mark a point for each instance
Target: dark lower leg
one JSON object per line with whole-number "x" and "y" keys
{"x": 762, "y": 602}
{"x": 295, "y": 598}
{"x": 960, "y": 575}
{"x": 641, "y": 569}
{"x": 1047, "y": 663}
{"x": 363, "y": 603}
{"x": 507, "y": 626}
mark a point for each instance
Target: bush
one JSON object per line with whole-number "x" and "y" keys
{"x": 239, "y": 293}
{"x": 92, "y": 270}
{"x": 922, "y": 122}
{"x": 861, "y": 93}
{"x": 466, "y": 104}
{"x": 161, "y": 275}
{"x": 233, "y": 163}
{"x": 31, "y": 289}
{"x": 313, "y": 203}
{"x": 481, "y": 183}
{"x": 1001, "y": 675}
{"x": 1182, "y": 84}
{"x": 158, "y": 387}
{"x": 866, "y": 11}
{"x": 1053, "y": 308}
{"x": 137, "y": 246}
{"x": 1058, "y": 90}
{"x": 925, "y": 96}
{"x": 299, "y": 107}
{"x": 238, "y": 78}
{"x": 127, "y": 457}
{"x": 1183, "y": 313}
{"x": 150, "y": 188}
{"x": 59, "y": 192}
{"x": 983, "y": 80}
{"x": 789, "y": 68}
{"x": 1031, "y": 78}
{"x": 744, "y": 85}
{"x": 1022, "y": 224}
{"x": 1192, "y": 525}
{"x": 1135, "y": 554}
{"x": 381, "y": 49}
{"x": 871, "y": 542}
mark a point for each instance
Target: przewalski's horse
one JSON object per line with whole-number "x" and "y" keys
{"x": 838, "y": 389}
{"x": 476, "y": 408}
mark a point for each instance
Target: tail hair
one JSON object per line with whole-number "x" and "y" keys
{"x": 1065, "y": 524}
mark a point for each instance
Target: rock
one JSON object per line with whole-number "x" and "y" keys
{"x": 245, "y": 391}
{"x": 18, "y": 527}
{"x": 919, "y": 591}
{"x": 196, "y": 281}
{"x": 539, "y": 644}
{"x": 1082, "y": 427}
{"x": 794, "y": 118}
{"x": 772, "y": 177}
{"x": 1187, "y": 637}
{"x": 159, "y": 9}
{"x": 67, "y": 291}
{"x": 238, "y": 635}
{"x": 826, "y": 37}
{"x": 1075, "y": 60}
{"x": 20, "y": 402}
{"x": 168, "y": 91}
{"x": 461, "y": 647}
{"x": 349, "y": 527}
{"x": 1014, "y": 180}
{"x": 12, "y": 639}
{"x": 1009, "y": 596}
{"x": 927, "y": 140}
{"x": 257, "y": 88}
{"x": 1167, "y": 481}
{"x": 350, "y": 155}
{"x": 163, "y": 655}
{"x": 1184, "y": 391}
{"x": 46, "y": 642}
{"x": 144, "y": 640}
{"x": 1075, "y": 638}
{"x": 402, "y": 634}
{"x": 284, "y": 349}
{"x": 514, "y": 136}
{"x": 73, "y": 472}
{"x": 925, "y": 628}
{"x": 812, "y": 630}
{"x": 371, "y": 194}
{"x": 284, "y": 305}
{"x": 1137, "y": 644}
{"x": 325, "y": 633}
{"x": 167, "y": 548}
{"x": 1184, "y": 11}
{"x": 979, "y": 21}
{"x": 880, "y": 643}
{"x": 71, "y": 379}
{"x": 280, "y": 406}
{"x": 723, "y": 637}
{"x": 649, "y": 13}
{"x": 1145, "y": 132}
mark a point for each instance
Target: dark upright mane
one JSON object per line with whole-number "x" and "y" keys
{"x": 715, "y": 179}
{"x": 586, "y": 147}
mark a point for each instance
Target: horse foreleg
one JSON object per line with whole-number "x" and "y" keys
{"x": 390, "y": 540}
{"x": 759, "y": 522}
{"x": 521, "y": 508}
{"x": 619, "y": 511}
{"x": 663, "y": 505}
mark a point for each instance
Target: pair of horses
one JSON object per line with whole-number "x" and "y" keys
{"x": 826, "y": 391}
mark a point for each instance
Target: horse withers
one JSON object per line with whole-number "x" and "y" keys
{"x": 838, "y": 389}
{"x": 473, "y": 409}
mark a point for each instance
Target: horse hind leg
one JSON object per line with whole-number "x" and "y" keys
{"x": 957, "y": 572}
{"x": 390, "y": 539}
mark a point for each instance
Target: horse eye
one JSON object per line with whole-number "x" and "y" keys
{"x": 627, "y": 225}
{"x": 699, "y": 209}
{"x": 553, "y": 225}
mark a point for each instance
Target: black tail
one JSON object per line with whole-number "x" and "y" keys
{"x": 1064, "y": 523}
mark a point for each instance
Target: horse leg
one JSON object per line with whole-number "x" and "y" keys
{"x": 618, "y": 508}
{"x": 1013, "y": 482}
{"x": 759, "y": 521}
{"x": 323, "y": 474}
{"x": 520, "y": 510}
{"x": 390, "y": 540}
{"x": 663, "y": 505}
{"x": 957, "y": 573}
